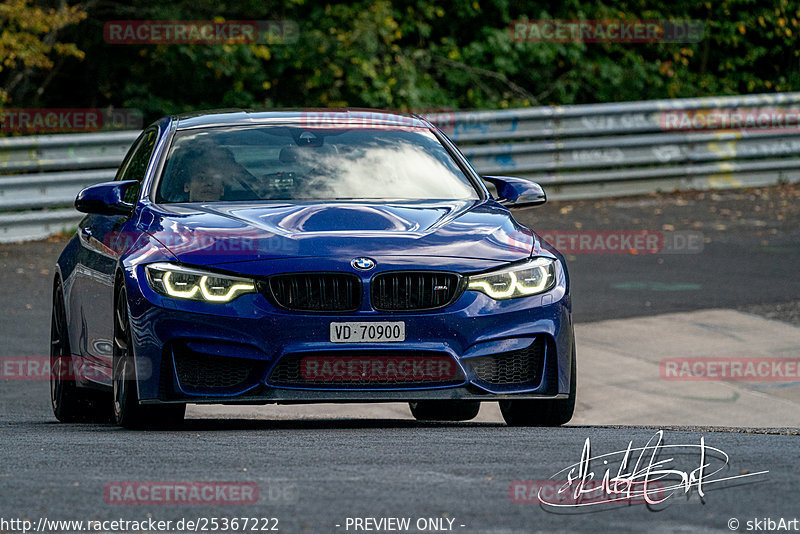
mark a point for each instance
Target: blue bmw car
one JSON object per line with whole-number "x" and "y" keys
{"x": 247, "y": 257}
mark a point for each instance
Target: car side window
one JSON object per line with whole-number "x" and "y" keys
{"x": 128, "y": 156}
{"x": 136, "y": 165}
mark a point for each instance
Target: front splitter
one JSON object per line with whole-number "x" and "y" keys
{"x": 299, "y": 396}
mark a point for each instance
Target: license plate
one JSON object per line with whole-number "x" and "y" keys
{"x": 368, "y": 332}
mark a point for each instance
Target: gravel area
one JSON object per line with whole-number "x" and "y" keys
{"x": 788, "y": 312}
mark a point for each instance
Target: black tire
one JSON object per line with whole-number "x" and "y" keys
{"x": 543, "y": 412}
{"x": 444, "y": 410}
{"x": 69, "y": 402}
{"x": 127, "y": 411}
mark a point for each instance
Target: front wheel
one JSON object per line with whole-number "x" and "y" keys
{"x": 445, "y": 410}
{"x": 70, "y": 403}
{"x": 128, "y": 412}
{"x": 542, "y": 412}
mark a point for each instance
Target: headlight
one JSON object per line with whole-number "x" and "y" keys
{"x": 181, "y": 282}
{"x": 530, "y": 278}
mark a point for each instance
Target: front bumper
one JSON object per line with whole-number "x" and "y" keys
{"x": 250, "y": 337}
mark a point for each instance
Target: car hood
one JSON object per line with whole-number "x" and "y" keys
{"x": 209, "y": 234}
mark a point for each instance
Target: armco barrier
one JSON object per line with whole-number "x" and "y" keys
{"x": 582, "y": 151}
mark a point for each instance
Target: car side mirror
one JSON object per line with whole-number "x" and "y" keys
{"x": 108, "y": 198}
{"x": 517, "y": 192}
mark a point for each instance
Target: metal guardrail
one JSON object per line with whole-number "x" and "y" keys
{"x": 581, "y": 151}
{"x": 38, "y": 173}
{"x": 598, "y": 150}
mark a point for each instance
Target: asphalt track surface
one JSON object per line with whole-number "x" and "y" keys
{"x": 315, "y": 468}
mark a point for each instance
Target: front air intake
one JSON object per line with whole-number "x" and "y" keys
{"x": 518, "y": 367}
{"x": 413, "y": 291}
{"x": 316, "y": 292}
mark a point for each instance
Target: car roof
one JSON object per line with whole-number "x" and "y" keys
{"x": 351, "y": 117}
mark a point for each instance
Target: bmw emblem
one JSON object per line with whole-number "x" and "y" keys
{"x": 363, "y": 264}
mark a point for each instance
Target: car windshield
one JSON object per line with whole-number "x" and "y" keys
{"x": 297, "y": 163}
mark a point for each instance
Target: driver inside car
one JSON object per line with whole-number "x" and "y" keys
{"x": 205, "y": 185}
{"x": 211, "y": 175}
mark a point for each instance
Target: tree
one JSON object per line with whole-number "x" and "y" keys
{"x": 412, "y": 54}
{"x": 28, "y": 43}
